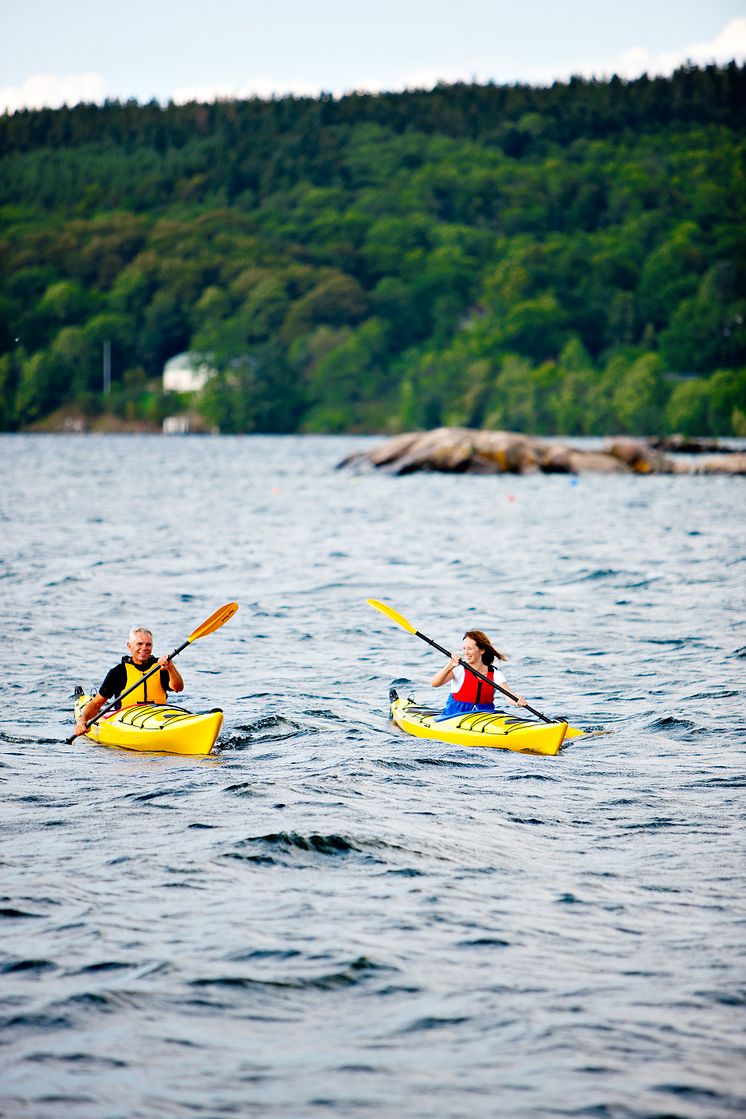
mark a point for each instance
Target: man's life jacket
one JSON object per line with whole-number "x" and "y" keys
{"x": 474, "y": 690}
{"x": 150, "y": 690}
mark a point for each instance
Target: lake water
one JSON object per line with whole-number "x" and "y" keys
{"x": 327, "y": 917}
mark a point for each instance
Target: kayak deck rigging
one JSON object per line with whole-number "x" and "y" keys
{"x": 161, "y": 728}
{"x": 496, "y": 729}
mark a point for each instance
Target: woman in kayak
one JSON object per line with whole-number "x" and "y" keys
{"x": 468, "y": 692}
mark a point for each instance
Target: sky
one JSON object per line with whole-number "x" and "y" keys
{"x": 55, "y": 52}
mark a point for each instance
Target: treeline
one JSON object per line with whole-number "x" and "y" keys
{"x": 565, "y": 260}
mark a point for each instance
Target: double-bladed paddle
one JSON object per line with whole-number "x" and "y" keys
{"x": 402, "y": 621}
{"x": 215, "y": 621}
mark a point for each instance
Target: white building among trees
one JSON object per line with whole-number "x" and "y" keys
{"x": 187, "y": 372}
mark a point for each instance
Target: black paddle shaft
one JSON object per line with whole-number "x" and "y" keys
{"x": 480, "y": 676}
{"x": 118, "y": 699}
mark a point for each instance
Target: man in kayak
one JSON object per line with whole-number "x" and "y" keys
{"x": 468, "y": 692}
{"x": 130, "y": 671}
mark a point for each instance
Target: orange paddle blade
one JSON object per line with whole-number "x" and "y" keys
{"x": 215, "y": 621}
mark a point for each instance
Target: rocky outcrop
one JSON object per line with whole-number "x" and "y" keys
{"x": 641, "y": 457}
{"x": 733, "y": 463}
{"x": 460, "y": 450}
{"x": 684, "y": 445}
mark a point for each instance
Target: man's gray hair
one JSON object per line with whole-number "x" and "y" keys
{"x": 139, "y": 629}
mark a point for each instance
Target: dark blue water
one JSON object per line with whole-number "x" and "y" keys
{"x": 326, "y": 917}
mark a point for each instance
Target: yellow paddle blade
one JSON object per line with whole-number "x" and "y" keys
{"x": 393, "y": 614}
{"x": 215, "y": 621}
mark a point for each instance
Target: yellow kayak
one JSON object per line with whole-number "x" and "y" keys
{"x": 480, "y": 728}
{"x": 155, "y": 726}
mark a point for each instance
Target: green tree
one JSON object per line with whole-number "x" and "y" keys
{"x": 348, "y": 386}
{"x": 8, "y": 387}
{"x": 638, "y": 397}
{"x": 670, "y": 274}
{"x": 536, "y": 327}
{"x": 708, "y": 330}
{"x": 336, "y": 300}
{"x": 65, "y": 302}
{"x": 39, "y": 388}
{"x": 257, "y": 392}
{"x": 687, "y": 410}
{"x": 727, "y": 400}
{"x": 515, "y": 401}
{"x": 164, "y": 332}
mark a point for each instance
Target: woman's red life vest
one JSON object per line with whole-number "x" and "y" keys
{"x": 474, "y": 690}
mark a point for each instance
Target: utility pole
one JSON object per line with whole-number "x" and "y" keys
{"x": 107, "y": 367}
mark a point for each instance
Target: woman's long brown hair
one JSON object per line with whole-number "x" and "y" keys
{"x": 487, "y": 649}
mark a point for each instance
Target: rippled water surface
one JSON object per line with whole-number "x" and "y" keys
{"x": 326, "y": 917}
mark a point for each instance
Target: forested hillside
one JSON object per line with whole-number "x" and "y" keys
{"x": 567, "y": 260}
